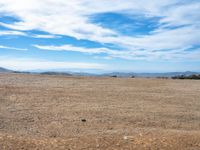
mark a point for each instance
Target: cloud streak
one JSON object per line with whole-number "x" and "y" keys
{"x": 43, "y": 36}
{"x": 8, "y": 32}
{"x": 12, "y": 48}
{"x": 74, "y": 49}
{"x": 19, "y": 33}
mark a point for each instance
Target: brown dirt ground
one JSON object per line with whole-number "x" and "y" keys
{"x": 42, "y": 112}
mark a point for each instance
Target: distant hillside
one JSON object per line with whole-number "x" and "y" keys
{"x": 168, "y": 74}
{"x": 4, "y": 70}
{"x": 113, "y": 74}
{"x": 56, "y": 73}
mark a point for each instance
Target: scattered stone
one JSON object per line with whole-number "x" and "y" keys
{"x": 83, "y": 120}
{"x": 128, "y": 137}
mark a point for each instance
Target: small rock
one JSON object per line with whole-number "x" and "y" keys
{"x": 83, "y": 120}
{"x": 125, "y": 138}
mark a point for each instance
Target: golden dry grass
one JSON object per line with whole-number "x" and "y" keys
{"x": 46, "y": 112}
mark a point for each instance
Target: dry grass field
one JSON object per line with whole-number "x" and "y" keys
{"x": 42, "y": 112}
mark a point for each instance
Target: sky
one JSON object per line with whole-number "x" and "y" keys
{"x": 100, "y": 35}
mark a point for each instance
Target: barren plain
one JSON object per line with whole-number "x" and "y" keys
{"x": 41, "y": 112}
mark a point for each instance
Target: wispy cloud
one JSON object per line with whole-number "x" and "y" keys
{"x": 19, "y": 33}
{"x": 131, "y": 54}
{"x": 73, "y": 48}
{"x": 12, "y": 48}
{"x": 47, "y": 36}
{"x": 8, "y": 32}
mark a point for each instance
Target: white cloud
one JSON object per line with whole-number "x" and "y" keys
{"x": 187, "y": 14}
{"x": 43, "y": 36}
{"x": 8, "y": 32}
{"x": 19, "y": 33}
{"x": 72, "y": 18}
{"x": 33, "y": 64}
{"x": 12, "y": 48}
{"x": 73, "y": 48}
{"x": 131, "y": 54}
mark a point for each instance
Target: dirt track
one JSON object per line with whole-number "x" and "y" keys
{"x": 57, "y": 112}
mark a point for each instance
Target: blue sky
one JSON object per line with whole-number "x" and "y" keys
{"x": 101, "y": 35}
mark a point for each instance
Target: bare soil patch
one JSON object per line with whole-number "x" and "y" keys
{"x": 59, "y": 112}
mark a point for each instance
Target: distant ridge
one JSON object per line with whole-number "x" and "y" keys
{"x": 112, "y": 74}
{"x": 55, "y": 73}
{"x": 167, "y": 74}
{"x": 122, "y": 74}
{"x": 4, "y": 70}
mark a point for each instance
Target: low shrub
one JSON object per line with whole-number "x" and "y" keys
{"x": 194, "y": 77}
